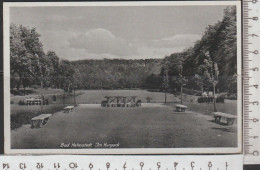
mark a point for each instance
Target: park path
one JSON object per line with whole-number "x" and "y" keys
{"x": 144, "y": 127}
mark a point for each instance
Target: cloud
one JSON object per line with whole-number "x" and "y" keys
{"x": 158, "y": 52}
{"x": 180, "y": 40}
{"x": 102, "y": 41}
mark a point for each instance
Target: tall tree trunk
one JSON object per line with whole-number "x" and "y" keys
{"x": 181, "y": 93}
{"x": 63, "y": 102}
{"x": 165, "y": 97}
{"x": 74, "y": 95}
{"x": 41, "y": 95}
{"x": 214, "y": 98}
{"x": 18, "y": 84}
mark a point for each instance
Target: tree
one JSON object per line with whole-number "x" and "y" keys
{"x": 211, "y": 73}
{"x": 76, "y": 81}
{"x": 53, "y": 61}
{"x": 199, "y": 82}
{"x": 25, "y": 48}
{"x": 181, "y": 80}
{"x": 165, "y": 84}
{"x": 175, "y": 63}
{"x": 66, "y": 75}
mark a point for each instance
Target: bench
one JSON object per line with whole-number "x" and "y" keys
{"x": 40, "y": 120}
{"x": 180, "y": 108}
{"x": 229, "y": 118}
{"x": 68, "y": 109}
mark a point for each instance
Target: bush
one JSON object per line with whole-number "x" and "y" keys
{"x": 220, "y": 99}
{"x": 35, "y": 86}
{"x": 46, "y": 102}
{"x": 205, "y": 99}
{"x": 192, "y": 92}
{"x": 232, "y": 96}
{"x": 21, "y": 102}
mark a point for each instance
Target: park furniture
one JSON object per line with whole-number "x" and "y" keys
{"x": 68, "y": 109}
{"x": 120, "y": 101}
{"x": 33, "y": 101}
{"x": 180, "y": 108}
{"x": 40, "y": 120}
{"x": 228, "y": 117}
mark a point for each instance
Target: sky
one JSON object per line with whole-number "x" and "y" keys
{"x": 136, "y": 32}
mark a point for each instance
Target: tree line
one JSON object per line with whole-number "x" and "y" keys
{"x": 210, "y": 63}
{"x": 31, "y": 66}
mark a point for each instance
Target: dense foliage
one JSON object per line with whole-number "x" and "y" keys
{"x": 118, "y": 73}
{"x": 217, "y": 45}
{"x": 31, "y": 66}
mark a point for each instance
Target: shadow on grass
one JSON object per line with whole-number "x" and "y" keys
{"x": 219, "y": 123}
{"x": 224, "y": 129}
{"x": 180, "y": 113}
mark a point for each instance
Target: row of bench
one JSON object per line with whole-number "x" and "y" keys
{"x": 43, "y": 119}
{"x": 217, "y": 115}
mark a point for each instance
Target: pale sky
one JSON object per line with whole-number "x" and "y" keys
{"x": 117, "y": 32}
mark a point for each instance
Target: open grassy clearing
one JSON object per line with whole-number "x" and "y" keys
{"x": 153, "y": 125}
{"x": 96, "y": 96}
{"x": 145, "y": 127}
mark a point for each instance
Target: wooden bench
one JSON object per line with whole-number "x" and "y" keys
{"x": 180, "y": 108}
{"x": 228, "y": 117}
{"x": 40, "y": 120}
{"x": 68, "y": 109}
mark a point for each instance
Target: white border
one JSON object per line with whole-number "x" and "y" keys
{"x": 8, "y": 150}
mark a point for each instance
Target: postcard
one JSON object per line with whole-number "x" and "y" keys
{"x": 123, "y": 77}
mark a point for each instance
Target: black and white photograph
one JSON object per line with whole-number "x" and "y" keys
{"x": 123, "y": 77}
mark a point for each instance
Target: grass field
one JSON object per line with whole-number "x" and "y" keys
{"x": 152, "y": 125}
{"x": 144, "y": 127}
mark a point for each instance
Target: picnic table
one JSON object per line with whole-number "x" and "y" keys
{"x": 33, "y": 101}
{"x": 68, "y": 109}
{"x": 228, "y": 117}
{"x": 180, "y": 108}
{"x": 121, "y": 101}
{"x": 40, "y": 120}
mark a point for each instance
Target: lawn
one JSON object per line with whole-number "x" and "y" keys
{"x": 96, "y": 96}
{"x": 153, "y": 125}
{"x": 145, "y": 127}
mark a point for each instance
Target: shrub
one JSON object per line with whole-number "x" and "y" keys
{"x": 220, "y": 99}
{"x": 191, "y": 92}
{"x": 21, "y": 102}
{"x": 205, "y": 99}
{"x": 46, "y": 102}
{"x": 35, "y": 86}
